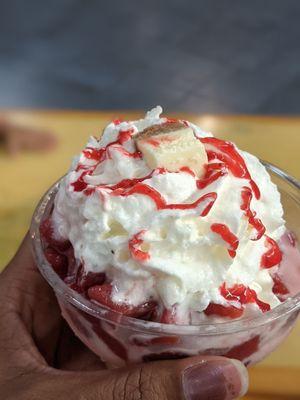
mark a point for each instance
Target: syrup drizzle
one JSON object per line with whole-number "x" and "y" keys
{"x": 141, "y": 188}
{"x": 245, "y": 206}
{"x": 187, "y": 170}
{"x": 226, "y": 152}
{"x": 93, "y": 154}
{"x": 80, "y": 184}
{"x": 125, "y": 135}
{"x": 272, "y": 256}
{"x": 279, "y": 287}
{"x": 99, "y": 155}
{"x": 227, "y": 236}
{"x": 134, "y": 243}
{"x": 222, "y": 158}
{"x": 129, "y": 183}
{"x": 211, "y": 175}
{"x": 244, "y": 295}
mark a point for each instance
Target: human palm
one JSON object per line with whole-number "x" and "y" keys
{"x": 41, "y": 358}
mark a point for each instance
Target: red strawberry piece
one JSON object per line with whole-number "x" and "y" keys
{"x": 88, "y": 317}
{"x": 166, "y": 355}
{"x": 156, "y": 341}
{"x": 168, "y": 316}
{"x": 263, "y": 306}
{"x": 73, "y": 265}
{"x": 244, "y": 350}
{"x": 244, "y": 295}
{"x": 165, "y": 340}
{"x": 78, "y": 324}
{"x": 152, "y": 314}
{"x": 279, "y": 287}
{"x": 46, "y": 231}
{"x": 240, "y": 293}
{"x": 59, "y": 262}
{"x": 224, "y": 311}
{"x": 115, "y": 346}
{"x": 272, "y": 256}
{"x": 85, "y": 281}
{"x": 75, "y": 287}
{"x": 140, "y": 342}
{"x": 102, "y": 295}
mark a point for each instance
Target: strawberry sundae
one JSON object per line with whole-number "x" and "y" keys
{"x": 167, "y": 224}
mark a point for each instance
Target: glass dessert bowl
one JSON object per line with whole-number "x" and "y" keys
{"x": 119, "y": 339}
{"x": 163, "y": 241}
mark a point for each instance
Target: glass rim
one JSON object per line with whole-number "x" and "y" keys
{"x": 64, "y": 292}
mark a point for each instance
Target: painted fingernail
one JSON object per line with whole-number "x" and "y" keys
{"x": 215, "y": 379}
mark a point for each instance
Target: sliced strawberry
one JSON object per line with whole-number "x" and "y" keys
{"x": 240, "y": 293}
{"x": 168, "y": 316}
{"x": 59, "y": 262}
{"x": 272, "y": 256}
{"x": 165, "y": 340}
{"x": 224, "y": 311}
{"x": 78, "y": 324}
{"x": 73, "y": 264}
{"x": 115, "y": 346}
{"x": 279, "y": 287}
{"x": 80, "y": 184}
{"x": 160, "y": 340}
{"x": 244, "y": 295}
{"x": 46, "y": 231}
{"x": 85, "y": 281}
{"x": 75, "y": 287}
{"x": 244, "y": 350}
{"x": 151, "y": 315}
{"x": 88, "y": 317}
{"x": 262, "y": 305}
{"x": 102, "y": 294}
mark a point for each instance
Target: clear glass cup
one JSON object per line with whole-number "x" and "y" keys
{"x": 120, "y": 340}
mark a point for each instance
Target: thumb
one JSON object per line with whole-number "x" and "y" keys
{"x": 194, "y": 378}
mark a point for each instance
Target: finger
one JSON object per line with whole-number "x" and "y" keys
{"x": 31, "y": 315}
{"x": 195, "y": 378}
{"x": 22, "y": 262}
{"x": 73, "y": 355}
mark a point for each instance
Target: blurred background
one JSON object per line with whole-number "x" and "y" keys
{"x": 207, "y": 56}
{"x": 67, "y": 67}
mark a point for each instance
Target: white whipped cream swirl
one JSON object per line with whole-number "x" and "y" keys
{"x": 186, "y": 261}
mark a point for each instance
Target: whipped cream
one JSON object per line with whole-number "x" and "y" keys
{"x": 169, "y": 245}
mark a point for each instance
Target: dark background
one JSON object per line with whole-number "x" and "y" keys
{"x": 216, "y": 56}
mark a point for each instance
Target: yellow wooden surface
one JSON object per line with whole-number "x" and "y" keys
{"x": 25, "y": 178}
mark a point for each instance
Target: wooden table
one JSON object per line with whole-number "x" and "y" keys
{"x": 25, "y": 178}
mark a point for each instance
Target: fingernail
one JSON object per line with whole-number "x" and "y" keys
{"x": 215, "y": 379}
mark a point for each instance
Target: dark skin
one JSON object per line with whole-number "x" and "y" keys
{"x": 40, "y": 358}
